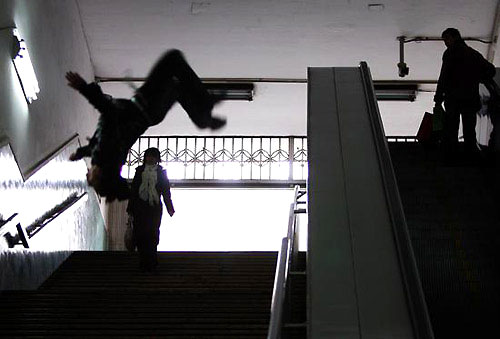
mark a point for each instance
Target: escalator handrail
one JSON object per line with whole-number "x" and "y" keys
{"x": 414, "y": 292}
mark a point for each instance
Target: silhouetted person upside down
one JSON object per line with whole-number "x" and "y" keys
{"x": 123, "y": 121}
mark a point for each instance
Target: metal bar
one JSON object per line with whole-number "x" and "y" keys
{"x": 285, "y": 260}
{"x": 261, "y": 80}
{"x": 32, "y": 230}
{"x": 270, "y": 159}
{"x": 421, "y": 39}
{"x": 3, "y": 222}
{"x": 490, "y": 55}
{"x": 99, "y": 79}
{"x": 290, "y": 157}
{"x": 39, "y": 164}
{"x": 278, "y": 298}
{"x": 22, "y": 235}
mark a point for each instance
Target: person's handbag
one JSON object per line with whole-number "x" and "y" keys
{"x": 424, "y": 133}
{"x": 129, "y": 238}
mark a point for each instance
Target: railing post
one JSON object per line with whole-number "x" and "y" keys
{"x": 290, "y": 157}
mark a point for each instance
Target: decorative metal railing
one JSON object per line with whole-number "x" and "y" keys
{"x": 226, "y": 157}
{"x": 251, "y": 158}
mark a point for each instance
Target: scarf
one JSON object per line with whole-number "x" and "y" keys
{"x": 147, "y": 190}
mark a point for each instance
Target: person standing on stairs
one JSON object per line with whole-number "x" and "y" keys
{"x": 462, "y": 70}
{"x": 150, "y": 183}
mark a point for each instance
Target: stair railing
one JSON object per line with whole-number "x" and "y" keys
{"x": 287, "y": 258}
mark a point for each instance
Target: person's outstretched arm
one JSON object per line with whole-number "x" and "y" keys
{"x": 167, "y": 198}
{"x": 91, "y": 91}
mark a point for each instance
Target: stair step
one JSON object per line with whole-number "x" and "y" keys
{"x": 103, "y": 294}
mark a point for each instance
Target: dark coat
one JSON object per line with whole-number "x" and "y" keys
{"x": 162, "y": 187}
{"x": 462, "y": 70}
{"x": 120, "y": 123}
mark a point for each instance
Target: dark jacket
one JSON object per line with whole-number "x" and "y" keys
{"x": 120, "y": 124}
{"x": 462, "y": 70}
{"x": 162, "y": 187}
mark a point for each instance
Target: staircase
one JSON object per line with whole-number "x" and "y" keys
{"x": 295, "y": 317}
{"x": 104, "y": 294}
{"x": 453, "y": 217}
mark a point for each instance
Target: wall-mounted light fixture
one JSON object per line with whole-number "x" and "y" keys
{"x": 24, "y": 68}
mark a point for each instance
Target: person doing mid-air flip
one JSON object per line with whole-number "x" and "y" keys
{"x": 123, "y": 121}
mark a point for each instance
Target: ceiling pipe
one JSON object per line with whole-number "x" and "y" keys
{"x": 494, "y": 35}
{"x": 403, "y": 69}
{"x": 262, "y": 80}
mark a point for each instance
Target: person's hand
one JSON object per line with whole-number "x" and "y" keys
{"x": 75, "y": 80}
{"x": 73, "y": 157}
{"x": 170, "y": 209}
{"x": 94, "y": 177}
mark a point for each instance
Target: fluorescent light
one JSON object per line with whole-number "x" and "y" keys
{"x": 396, "y": 92}
{"x": 24, "y": 68}
{"x": 231, "y": 91}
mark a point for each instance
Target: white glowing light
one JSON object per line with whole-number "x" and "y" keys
{"x": 24, "y": 68}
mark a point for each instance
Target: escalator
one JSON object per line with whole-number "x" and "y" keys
{"x": 453, "y": 217}
{"x": 362, "y": 277}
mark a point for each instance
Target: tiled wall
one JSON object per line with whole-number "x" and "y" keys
{"x": 81, "y": 227}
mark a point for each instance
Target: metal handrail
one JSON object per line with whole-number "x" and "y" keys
{"x": 286, "y": 257}
{"x": 6, "y": 225}
{"x": 25, "y": 175}
{"x": 24, "y": 234}
{"x": 39, "y": 164}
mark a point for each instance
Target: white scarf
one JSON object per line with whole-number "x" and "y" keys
{"x": 147, "y": 190}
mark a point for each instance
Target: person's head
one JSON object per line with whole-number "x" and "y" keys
{"x": 451, "y": 36}
{"x": 152, "y": 156}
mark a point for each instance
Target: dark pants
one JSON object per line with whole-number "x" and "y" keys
{"x": 147, "y": 221}
{"x": 451, "y": 125}
{"x": 172, "y": 79}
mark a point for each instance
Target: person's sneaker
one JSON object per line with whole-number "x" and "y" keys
{"x": 216, "y": 123}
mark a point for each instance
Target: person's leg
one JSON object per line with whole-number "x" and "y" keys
{"x": 141, "y": 236}
{"x": 156, "y": 214}
{"x": 173, "y": 79}
{"x": 450, "y": 136}
{"x": 469, "y": 119}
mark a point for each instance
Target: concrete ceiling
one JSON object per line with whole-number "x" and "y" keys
{"x": 277, "y": 38}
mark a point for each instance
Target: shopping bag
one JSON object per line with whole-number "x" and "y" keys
{"x": 425, "y": 130}
{"x": 438, "y": 118}
{"x": 129, "y": 238}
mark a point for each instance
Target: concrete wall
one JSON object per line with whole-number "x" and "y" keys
{"x": 53, "y": 33}
{"x": 56, "y": 43}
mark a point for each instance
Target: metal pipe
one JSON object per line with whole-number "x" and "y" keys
{"x": 99, "y": 79}
{"x": 424, "y": 38}
{"x": 490, "y": 55}
{"x": 267, "y": 80}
